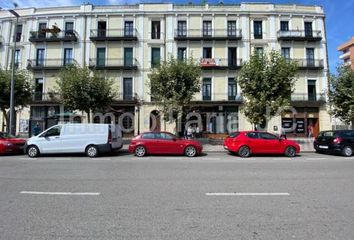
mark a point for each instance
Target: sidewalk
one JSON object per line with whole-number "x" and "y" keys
{"x": 216, "y": 145}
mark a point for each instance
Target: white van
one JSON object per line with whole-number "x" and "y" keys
{"x": 91, "y": 139}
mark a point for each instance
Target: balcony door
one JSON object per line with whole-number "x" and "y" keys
{"x": 41, "y": 30}
{"x": 311, "y": 90}
{"x": 127, "y": 89}
{"x": 207, "y": 89}
{"x": 231, "y": 28}
{"x": 308, "y": 29}
{"x": 68, "y": 56}
{"x": 155, "y": 30}
{"x": 207, "y": 30}
{"x": 182, "y": 28}
{"x": 101, "y": 28}
{"x": 38, "y": 89}
{"x": 128, "y": 57}
{"x": 69, "y": 28}
{"x": 128, "y": 29}
{"x": 40, "y": 57}
{"x": 310, "y": 57}
{"x": 232, "y": 56}
{"x": 101, "y": 57}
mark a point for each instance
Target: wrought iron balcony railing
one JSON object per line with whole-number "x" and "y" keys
{"x": 49, "y": 64}
{"x": 299, "y": 35}
{"x": 63, "y": 36}
{"x": 220, "y": 63}
{"x": 208, "y": 34}
{"x": 309, "y": 64}
{"x": 113, "y": 63}
{"x": 127, "y": 34}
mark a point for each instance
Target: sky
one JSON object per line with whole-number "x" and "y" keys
{"x": 339, "y": 15}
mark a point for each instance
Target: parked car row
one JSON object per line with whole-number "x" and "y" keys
{"x": 93, "y": 139}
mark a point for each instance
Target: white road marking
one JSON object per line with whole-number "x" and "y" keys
{"x": 246, "y": 194}
{"x": 63, "y": 193}
{"x": 315, "y": 158}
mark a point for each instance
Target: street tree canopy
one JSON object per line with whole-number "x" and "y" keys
{"x": 341, "y": 94}
{"x": 174, "y": 83}
{"x": 81, "y": 89}
{"x": 267, "y": 81}
{"x": 22, "y": 90}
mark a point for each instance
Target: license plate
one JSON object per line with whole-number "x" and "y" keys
{"x": 323, "y": 147}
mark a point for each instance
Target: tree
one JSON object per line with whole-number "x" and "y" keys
{"x": 84, "y": 90}
{"x": 267, "y": 82}
{"x": 174, "y": 83}
{"x": 22, "y": 90}
{"x": 341, "y": 94}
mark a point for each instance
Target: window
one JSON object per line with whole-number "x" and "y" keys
{"x": 259, "y": 50}
{"x": 17, "y": 58}
{"x": 155, "y": 57}
{"x": 308, "y": 29}
{"x": 128, "y": 57}
{"x": 127, "y": 88}
{"x": 101, "y": 29}
{"x": 232, "y": 89}
{"x": 285, "y": 52}
{"x": 182, "y": 29}
{"x": 267, "y": 136}
{"x": 149, "y": 136}
{"x": 207, "y": 89}
{"x": 38, "y": 89}
{"x": 231, "y": 28}
{"x": 128, "y": 28}
{"x": 207, "y": 31}
{"x": 166, "y": 136}
{"x": 257, "y": 28}
{"x": 55, "y": 131}
{"x": 232, "y": 56}
{"x": 155, "y": 30}
{"x": 41, "y": 30}
{"x": 284, "y": 26}
{"x": 68, "y": 56}
{"x": 101, "y": 57}
{"x": 311, "y": 90}
{"x": 207, "y": 52}
{"x": 69, "y": 28}
{"x": 252, "y": 135}
{"x": 40, "y": 57}
{"x": 18, "y": 33}
{"x": 310, "y": 57}
{"x": 182, "y": 54}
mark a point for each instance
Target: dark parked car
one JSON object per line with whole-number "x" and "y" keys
{"x": 163, "y": 143}
{"x": 245, "y": 143}
{"x": 340, "y": 141}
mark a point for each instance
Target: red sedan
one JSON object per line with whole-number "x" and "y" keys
{"x": 11, "y": 144}
{"x": 163, "y": 143}
{"x": 245, "y": 143}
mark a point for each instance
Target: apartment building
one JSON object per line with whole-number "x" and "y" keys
{"x": 347, "y": 49}
{"x": 127, "y": 41}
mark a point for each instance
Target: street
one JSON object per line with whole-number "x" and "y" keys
{"x": 214, "y": 196}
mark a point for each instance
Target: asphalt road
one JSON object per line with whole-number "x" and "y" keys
{"x": 215, "y": 196}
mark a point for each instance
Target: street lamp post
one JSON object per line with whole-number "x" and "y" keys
{"x": 12, "y": 91}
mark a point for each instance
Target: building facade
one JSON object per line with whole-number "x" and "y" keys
{"x": 127, "y": 41}
{"x": 348, "y": 52}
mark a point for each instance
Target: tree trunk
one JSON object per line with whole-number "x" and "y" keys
{"x": 88, "y": 116}
{"x": 6, "y": 119}
{"x": 352, "y": 124}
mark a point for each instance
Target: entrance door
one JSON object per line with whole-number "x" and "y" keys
{"x": 155, "y": 122}
{"x": 315, "y": 125}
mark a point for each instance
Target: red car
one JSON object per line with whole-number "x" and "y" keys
{"x": 245, "y": 143}
{"x": 11, "y": 144}
{"x": 163, "y": 143}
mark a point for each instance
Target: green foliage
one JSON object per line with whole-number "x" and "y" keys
{"x": 341, "y": 94}
{"x": 81, "y": 89}
{"x": 22, "y": 89}
{"x": 267, "y": 82}
{"x": 174, "y": 83}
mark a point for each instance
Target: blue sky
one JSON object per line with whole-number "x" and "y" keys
{"x": 339, "y": 16}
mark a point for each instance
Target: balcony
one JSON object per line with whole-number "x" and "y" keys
{"x": 127, "y": 98}
{"x": 299, "y": 35}
{"x": 48, "y": 64}
{"x": 48, "y": 97}
{"x": 98, "y": 35}
{"x": 113, "y": 64}
{"x": 208, "y": 35}
{"x": 219, "y": 97}
{"x": 306, "y": 99}
{"x": 309, "y": 64}
{"x": 220, "y": 63}
{"x": 63, "y": 36}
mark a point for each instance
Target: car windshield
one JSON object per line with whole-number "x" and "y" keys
{"x": 234, "y": 134}
{"x": 6, "y": 135}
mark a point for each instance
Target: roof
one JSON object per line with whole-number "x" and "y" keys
{"x": 346, "y": 45}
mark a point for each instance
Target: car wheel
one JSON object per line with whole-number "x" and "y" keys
{"x": 33, "y": 151}
{"x": 244, "y": 152}
{"x": 92, "y": 151}
{"x": 190, "y": 151}
{"x": 140, "y": 151}
{"x": 290, "y": 152}
{"x": 347, "y": 151}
